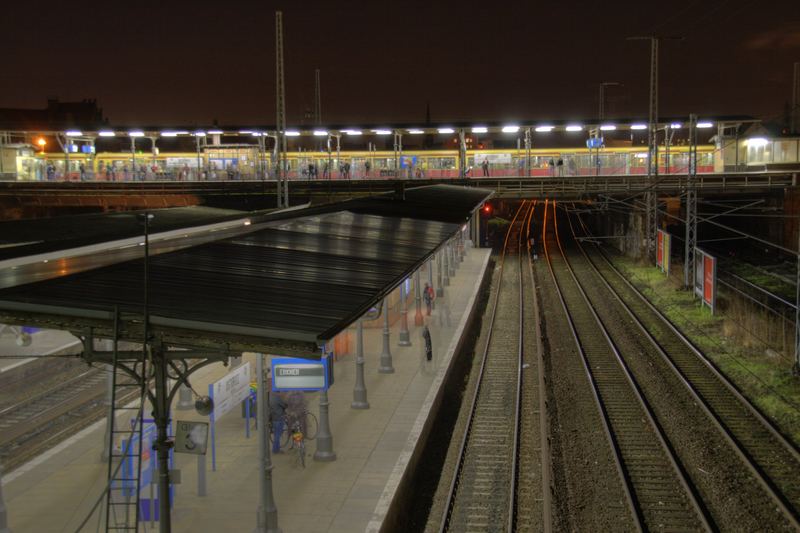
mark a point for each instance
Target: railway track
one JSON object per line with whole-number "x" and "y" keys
{"x": 492, "y": 465}
{"x": 658, "y": 492}
{"x": 35, "y": 424}
{"x": 762, "y": 451}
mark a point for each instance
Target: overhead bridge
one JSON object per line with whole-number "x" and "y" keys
{"x": 28, "y": 199}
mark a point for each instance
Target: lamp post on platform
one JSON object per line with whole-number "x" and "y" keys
{"x": 267, "y": 514}
{"x": 360, "y": 388}
{"x": 405, "y": 338}
{"x": 418, "y": 320}
{"x": 386, "y": 354}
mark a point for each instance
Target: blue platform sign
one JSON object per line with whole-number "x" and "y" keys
{"x": 292, "y": 373}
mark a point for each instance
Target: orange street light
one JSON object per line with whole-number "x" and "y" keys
{"x": 42, "y": 143}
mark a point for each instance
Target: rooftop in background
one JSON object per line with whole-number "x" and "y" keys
{"x": 56, "y": 116}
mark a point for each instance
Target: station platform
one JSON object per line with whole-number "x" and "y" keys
{"x": 56, "y": 491}
{"x": 43, "y": 342}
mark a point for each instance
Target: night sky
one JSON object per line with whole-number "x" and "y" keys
{"x": 193, "y": 62}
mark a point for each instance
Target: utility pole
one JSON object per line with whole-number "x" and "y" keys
{"x": 796, "y": 99}
{"x": 317, "y": 99}
{"x": 280, "y": 109}
{"x": 690, "y": 241}
{"x": 651, "y": 196}
{"x": 602, "y": 100}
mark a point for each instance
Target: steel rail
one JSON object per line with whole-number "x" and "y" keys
{"x": 745, "y": 455}
{"x": 463, "y": 446}
{"x": 623, "y": 477}
{"x": 678, "y": 470}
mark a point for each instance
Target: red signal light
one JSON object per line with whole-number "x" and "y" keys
{"x": 487, "y": 209}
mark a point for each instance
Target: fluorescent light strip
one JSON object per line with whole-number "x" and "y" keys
{"x": 446, "y": 130}
{"x": 574, "y": 127}
{"x": 292, "y": 133}
{"x": 510, "y": 129}
{"x": 480, "y": 129}
{"x": 106, "y": 133}
{"x": 638, "y": 126}
{"x": 608, "y": 127}
{"x": 544, "y": 129}
{"x": 418, "y": 132}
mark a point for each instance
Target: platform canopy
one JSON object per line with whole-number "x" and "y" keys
{"x": 287, "y": 284}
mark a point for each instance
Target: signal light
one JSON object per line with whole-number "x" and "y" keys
{"x": 487, "y": 209}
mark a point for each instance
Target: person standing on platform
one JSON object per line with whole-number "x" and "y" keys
{"x": 560, "y": 165}
{"x": 427, "y": 295}
{"x": 485, "y": 166}
{"x": 426, "y": 335}
{"x": 277, "y": 412}
{"x": 367, "y": 167}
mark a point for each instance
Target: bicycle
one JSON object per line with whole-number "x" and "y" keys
{"x": 306, "y": 422}
{"x": 298, "y": 443}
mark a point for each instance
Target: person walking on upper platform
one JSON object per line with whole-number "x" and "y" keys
{"x": 485, "y": 166}
{"x": 426, "y": 335}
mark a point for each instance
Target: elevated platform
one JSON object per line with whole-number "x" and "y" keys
{"x": 374, "y": 447}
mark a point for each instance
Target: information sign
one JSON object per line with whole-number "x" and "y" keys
{"x": 191, "y": 437}
{"x": 231, "y": 390}
{"x": 663, "y": 251}
{"x": 290, "y": 373}
{"x": 705, "y": 278}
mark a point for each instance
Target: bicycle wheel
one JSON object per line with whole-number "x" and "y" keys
{"x": 312, "y": 426}
{"x": 287, "y": 433}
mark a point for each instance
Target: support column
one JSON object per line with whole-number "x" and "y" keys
{"x": 324, "y": 450}
{"x": 404, "y": 337}
{"x": 267, "y": 514}
{"x": 430, "y": 280}
{"x": 418, "y": 319}
{"x": 446, "y": 265}
{"x": 462, "y": 155}
{"x": 451, "y": 256}
{"x": 386, "y": 354}
{"x": 360, "y": 388}
{"x": 163, "y": 443}
{"x": 201, "y": 476}
{"x": 109, "y": 419}
{"x": 439, "y": 283}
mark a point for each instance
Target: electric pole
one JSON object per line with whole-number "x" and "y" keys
{"x": 651, "y": 196}
{"x": 280, "y": 109}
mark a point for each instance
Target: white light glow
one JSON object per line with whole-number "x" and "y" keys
{"x": 74, "y": 133}
{"x": 169, "y": 133}
{"x": 675, "y": 126}
{"x": 256, "y": 134}
{"x": 382, "y": 132}
{"x": 353, "y": 132}
{"x": 446, "y": 130}
{"x": 574, "y": 127}
{"x": 292, "y": 133}
{"x": 245, "y": 132}
{"x": 480, "y": 129}
{"x": 136, "y": 133}
{"x": 215, "y": 132}
{"x": 105, "y": 133}
{"x": 247, "y": 222}
{"x": 608, "y": 127}
{"x": 544, "y": 129}
{"x": 642, "y": 155}
{"x": 510, "y": 129}
{"x": 757, "y": 142}
{"x": 320, "y": 133}
{"x": 705, "y": 125}
{"x": 199, "y": 134}
{"x": 638, "y": 126}
{"x": 418, "y": 132}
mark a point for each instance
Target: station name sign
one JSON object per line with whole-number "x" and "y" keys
{"x": 290, "y": 373}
